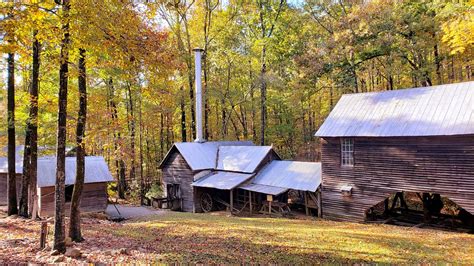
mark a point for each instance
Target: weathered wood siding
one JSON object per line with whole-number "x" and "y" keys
{"x": 3, "y": 188}
{"x": 177, "y": 171}
{"x": 94, "y": 199}
{"x": 443, "y": 165}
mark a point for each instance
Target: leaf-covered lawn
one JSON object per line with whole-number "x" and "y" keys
{"x": 211, "y": 238}
{"x": 204, "y": 238}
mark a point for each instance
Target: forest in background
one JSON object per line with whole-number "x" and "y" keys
{"x": 272, "y": 69}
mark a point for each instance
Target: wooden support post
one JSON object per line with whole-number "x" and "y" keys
{"x": 250, "y": 201}
{"x": 269, "y": 207}
{"x": 43, "y": 235}
{"x": 306, "y": 202}
{"x": 231, "y": 200}
{"x": 320, "y": 213}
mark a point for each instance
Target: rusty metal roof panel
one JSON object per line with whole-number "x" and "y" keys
{"x": 222, "y": 180}
{"x": 96, "y": 170}
{"x": 296, "y": 175}
{"x": 241, "y": 158}
{"x": 426, "y": 111}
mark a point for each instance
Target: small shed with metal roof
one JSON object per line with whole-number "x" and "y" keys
{"x": 200, "y": 176}
{"x": 378, "y": 144}
{"x": 94, "y": 197}
{"x": 191, "y": 169}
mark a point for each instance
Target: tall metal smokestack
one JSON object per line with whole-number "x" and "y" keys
{"x": 198, "y": 84}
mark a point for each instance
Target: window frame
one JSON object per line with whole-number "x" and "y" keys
{"x": 347, "y": 152}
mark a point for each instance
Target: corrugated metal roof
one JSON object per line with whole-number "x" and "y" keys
{"x": 426, "y": 111}
{"x": 222, "y": 180}
{"x": 4, "y": 165}
{"x": 269, "y": 190}
{"x": 241, "y": 158}
{"x": 304, "y": 176}
{"x": 96, "y": 170}
{"x": 203, "y": 155}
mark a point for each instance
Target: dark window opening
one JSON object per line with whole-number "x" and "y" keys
{"x": 68, "y": 192}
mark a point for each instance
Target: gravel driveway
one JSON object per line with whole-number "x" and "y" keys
{"x": 130, "y": 212}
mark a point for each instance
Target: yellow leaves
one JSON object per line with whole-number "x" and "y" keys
{"x": 459, "y": 33}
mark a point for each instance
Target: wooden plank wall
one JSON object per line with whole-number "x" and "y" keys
{"x": 3, "y": 188}
{"x": 177, "y": 171}
{"x": 94, "y": 199}
{"x": 443, "y": 165}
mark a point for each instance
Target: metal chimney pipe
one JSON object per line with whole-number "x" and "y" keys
{"x": 198, "y": 85}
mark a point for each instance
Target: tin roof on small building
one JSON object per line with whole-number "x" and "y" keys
{"x": 427, "y": 111}
{"x": 305, "y": 176}
{"x": 4, "y": 165}
{"x": 241, "y": 158}
{"x": 222, "y": 180}
{"x": 201, "y": 156}
{"x": 264, "y": 189}
{"x": 96, "y": 171}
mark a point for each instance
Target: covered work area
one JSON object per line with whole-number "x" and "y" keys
{"x": 272, "y": 190}
{"x": 216, "y": 190}
{"x": 285, "y": 182}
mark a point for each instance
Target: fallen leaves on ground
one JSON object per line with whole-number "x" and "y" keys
{"x": 203, "y": 238}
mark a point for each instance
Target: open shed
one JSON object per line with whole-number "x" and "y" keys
{"x": 279, "y": 177}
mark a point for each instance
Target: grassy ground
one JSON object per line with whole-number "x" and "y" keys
{"x": 203, "y": 238}
{"x": 211, "y": 238}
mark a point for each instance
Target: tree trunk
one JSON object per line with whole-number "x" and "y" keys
{"x": 23, "y": 210}
{"x": 33, "y": 167}
{"x": 119, "y": 162}
{"x": 252, "y": 101}
{"x": 132, "y": 132}
{"x": 12, "y": 197}
{"x": 59, "y": 230}
{"x": 140, "y": 143}
{"x": 263, "y": 97}
{"x": 183, "y": 117}
{"x": 75, "y": 221}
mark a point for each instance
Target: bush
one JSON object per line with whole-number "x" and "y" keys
{"x": 155, "y": 191}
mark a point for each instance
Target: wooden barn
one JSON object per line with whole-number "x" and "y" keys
{"x": 417, "y": 140}
{"x": 94, "y": 197}
{"x": 198, "y": 175}
{"x": 228, "y": 163}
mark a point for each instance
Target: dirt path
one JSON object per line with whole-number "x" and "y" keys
{"x": 130, "y": 212}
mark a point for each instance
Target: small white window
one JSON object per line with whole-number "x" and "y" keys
{"x": 347, "y": 152}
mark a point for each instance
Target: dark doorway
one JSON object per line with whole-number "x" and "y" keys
{"x": 68, "y": 192}
{"x": 173, "y": 194}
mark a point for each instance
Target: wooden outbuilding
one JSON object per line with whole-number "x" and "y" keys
{"x": 198, "y": 176}
{"x": 228, "y": 163}
{"x": 94, "y": 197}
{"x": 411, "y": 140}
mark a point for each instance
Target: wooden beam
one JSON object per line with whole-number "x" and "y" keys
{"x": 231, "y": 200}
{"x": 250, "y": 201}
{"x": 306, "y": 202}
{"x": 320, "y": 213}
